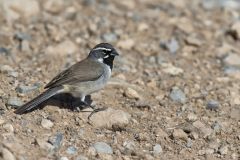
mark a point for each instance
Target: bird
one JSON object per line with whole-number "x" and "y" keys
{"x": 81, "y": 79}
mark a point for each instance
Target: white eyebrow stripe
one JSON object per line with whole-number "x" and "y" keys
{"x": 102, "y": 48}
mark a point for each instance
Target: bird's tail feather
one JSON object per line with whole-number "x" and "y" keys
{"x": 38, "y": 100}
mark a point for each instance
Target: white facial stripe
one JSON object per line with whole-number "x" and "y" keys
{"x": 106, "y": 56}
{"x": 100, "y": 60}
{"x": 102, "y": 48}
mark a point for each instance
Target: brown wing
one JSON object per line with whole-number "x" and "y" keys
{"x": 86, "y": 70}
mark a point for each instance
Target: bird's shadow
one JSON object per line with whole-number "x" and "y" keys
{"x": 65, "y": 100}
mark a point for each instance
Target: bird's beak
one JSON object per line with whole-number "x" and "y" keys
{"x": 114, "y": 53}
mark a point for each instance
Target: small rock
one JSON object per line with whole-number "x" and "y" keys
{"x": 189, "y": 143}
{"x": 21, "y": 36}
{"x": 46, "y": 123}
{"x": 213, "y": 4}
{"x": 81, "y": 158}
{"x": 56, "y": 140}
{"x": 102, "y": 147}
{"x": 179, "y": 134}
{"x": 26, "y": 89}
{"x": 44, "y": 145}
{"x": 177, "y": 95}
{"x": 111, "y": 119}
{"x": 88, "y": 2}
{"x": 172, "y": 45}
{"x": 109, "y": 37}
{"x": 14, "y": 102}
{"x": 223, "y": 150}
{"x": 126, "y": 44}
{"x": 131, "y": 93}
{"x": 5, "y": 154}
{"x": 129, "y": 145}
{"x": 206, "y": 131}
{"x": 15, "y": 9}
{"x": 232, "y": 59}
{"x": 8, "y": 127}
{"x": 170, "y": 69}
{"x": 235, "y": 30}
{"x": 157, "y": 149}
{"x": 2, "y": 121}
{"x": 5, "y": 68}
{"x": 193, "y": 41}
{"x": 13, "y": 74}
{"x": 191, "y": 117}
{"x": 143, "y": 27}
{"x": 63, "y": 158}
{"x": 54, "y": 6}
{"x": 127, "y": 4}
{"x": 64, "y": 48}
{"x": 212, "y": 105}
{"x": 92, "y": 151}
{"x": 232, "y": 71}
{"x": 71, "y": 150}
{"x": 4, "y": 51}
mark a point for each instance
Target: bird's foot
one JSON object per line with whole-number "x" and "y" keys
{"x": 95, "y": 110}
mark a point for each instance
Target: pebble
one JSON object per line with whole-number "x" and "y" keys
{"x": 129, "y": 145}
{"x": 6, "y": 68}
{"x": 232, "y": 71}
{"x": 143, "y": 27}
{"x": 179, "y": 134}
{"x": 212, "y": 105}
{"x": 111, "y": 118}
{"x": 56, "y": 140}
{"x": 1, "y": 121}
{"x": 109, "y": 37}
{"x": 54, "y": 6}
{"x": 46, "y": 123}
{"x": 4, "y": 51}
{"x": 81, "y": 158}
{"x": 132, "y": 94}
{"x": 193, "y": 41}
{"x": 26, "y": 89}
{"x": 63, "y": 158}
{"x": 232, "y": 59}
{"x": 213, "y": 4}
{"x": 157, "y": 149}
{"x": 44, "y": 145}
{"x": 171, "y": 70}
{"x": 126, "y": 44}
{"x": 22, "y": 36}
{"x": 177, "y": 95}
{"x": 189, "y": 143}
{"x": 223, "y": 150}
{"x": 14, "y": 102}
{"x": 102, "y": 147}
{"x": 172, "y": 45}
{"x": 8, "y": 127}
{"x": 71, "y": 150}
{"x": 64, "y": 48}
{"x": 5, "y": 154}
{"x": 191, "y": 117}
{"x": 235, "y": 30}
{"x": 25, "y": 8}
{"x": 206, "y": 131}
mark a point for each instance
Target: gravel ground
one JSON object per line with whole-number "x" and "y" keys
{"x": 174, "y": 93}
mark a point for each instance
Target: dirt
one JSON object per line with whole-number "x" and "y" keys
{"x": 174, "y": 91}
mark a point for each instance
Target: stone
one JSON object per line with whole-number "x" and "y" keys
{"x": 129, "y": 145}
{"x": 46, "y": 123}
{"x": 223, "y": 150}
{"x": 44, "y": 145}
{"x": 64, "y": 48}
{"x": 132, "y": 94}
{"x": 21, "y": 36}
{"x": 14, "y": 102}
{"x": 71, "y": 150}
{"x": 54, "y": 6}
{"x": 235, "y": 30}
{"x": 8, "y": 127}
{"x": 102, "y": 147}
{"x": 172, "y": 45}
{"x": 127, "y": 4}
{"x": 206, "y": 131}
{"x": 189, "y": 143}
{"x": 92, "y": 151}
{"x": 26, "y": 89}
{"x": 143, "y": 27}
{"x": 16, "y": 9}
{"x": 193, "y": 41}
{"x": 191, "y": 117}
{"x": 212, "y": 105}
{"x": 1, "y": 121}
{"x": 5, "y": 154}
{"x": 126, "y": 44}
{"x": 81, "y": 158}
{"x": 56, "y": 140}
{"x": 63, "y": 158}
{"x": 171, "y": 70}
{"x": 232, "y": 59}
{"x": 6, "y": 68}
{"x": 177, "y": 95}
{"x": 110, "y": 119}
{"x": 213, "y": 4}
{"x": 179, "y": 134}
{"x": 232, "y": 71}
{"x": 157, "y": 149}
{"x": 109, "y": 37}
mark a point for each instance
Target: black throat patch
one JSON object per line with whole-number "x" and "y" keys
{"x": 109, "y": 61}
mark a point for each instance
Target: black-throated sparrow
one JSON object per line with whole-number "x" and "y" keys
{"x": 81, "y": 79}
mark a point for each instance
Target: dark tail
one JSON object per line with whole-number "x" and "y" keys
{"x": 38, "y": 100}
